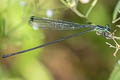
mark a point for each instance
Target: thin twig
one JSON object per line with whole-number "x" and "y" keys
{"x": 117, "y": 46}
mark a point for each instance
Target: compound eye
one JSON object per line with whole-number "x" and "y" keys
{"x": 108, "y": 27}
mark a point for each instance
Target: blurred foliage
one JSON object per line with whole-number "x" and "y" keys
{"x": 16, "y": 34}
{"x": 83, "y": 58}
{"x": 116, "y": 10}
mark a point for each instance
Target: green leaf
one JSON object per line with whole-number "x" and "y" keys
{"x": 116, "y": 10}
{"x": 116, "y": 72}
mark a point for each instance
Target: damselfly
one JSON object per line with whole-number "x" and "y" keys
{"x": 63, "y": 25}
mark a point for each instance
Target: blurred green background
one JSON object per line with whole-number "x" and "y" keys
{"x": 86, "y": 57}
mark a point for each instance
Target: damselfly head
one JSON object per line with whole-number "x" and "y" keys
{"x": 104, "y": 31}
{"x": 107, "y": 34}
{"x": 108, "y": 27}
